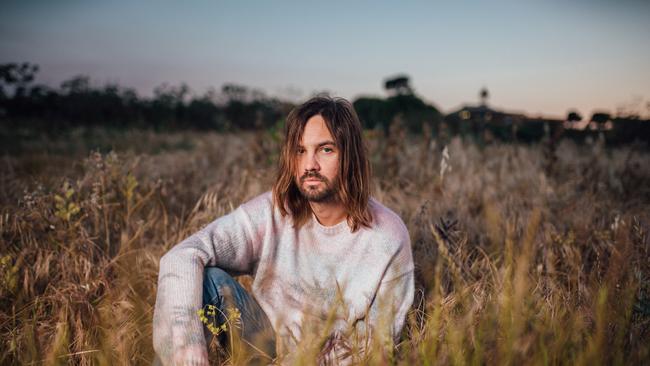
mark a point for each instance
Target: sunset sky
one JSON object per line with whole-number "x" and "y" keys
{"x": 538, "y": 57}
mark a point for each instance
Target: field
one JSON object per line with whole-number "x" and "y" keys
{"x": 525, "y": 254}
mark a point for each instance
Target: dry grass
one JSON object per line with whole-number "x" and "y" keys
{"x": 519, "y": 259}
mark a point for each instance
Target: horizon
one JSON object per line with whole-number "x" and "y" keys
{"x": 539, "y": 58}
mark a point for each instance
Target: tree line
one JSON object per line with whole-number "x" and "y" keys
{"x": 77, "y": 103}
{"x": 40, "y": 109}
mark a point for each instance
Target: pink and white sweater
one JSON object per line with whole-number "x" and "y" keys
{"x": 300, "y": 275}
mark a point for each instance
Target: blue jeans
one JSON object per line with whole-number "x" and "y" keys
{"x": 253, "y": 327}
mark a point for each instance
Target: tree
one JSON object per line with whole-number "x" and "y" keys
{"x": 16, "y": 76}
{"x": 574, "y": 116}
{"x": 234, "y": 92}
{"x": 398, "y": 85}
{"x": 172, "y": 95}
{"x": 77, "y": 85}
{"x": 484, "y": 95}
{"x": 413, "y": 112}
{"x": 372, "y": 112}
{"x": 600, "y": 118}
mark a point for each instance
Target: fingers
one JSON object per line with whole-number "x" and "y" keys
{"x": 191, "y": 356}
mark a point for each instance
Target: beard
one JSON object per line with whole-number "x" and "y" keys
{"x": 323, "y": 193}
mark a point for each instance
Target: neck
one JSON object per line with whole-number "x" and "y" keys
{"x": 329, "y": 213}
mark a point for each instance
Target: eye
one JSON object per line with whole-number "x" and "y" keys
{"x": 300, "y": 151}
{"x": 327, "y": 150}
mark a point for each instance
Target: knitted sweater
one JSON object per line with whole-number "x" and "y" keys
{"x": 300, "y": 275}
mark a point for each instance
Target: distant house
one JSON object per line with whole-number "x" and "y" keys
{"x": 488, "y": 124}
{"x": 483, "y": 113}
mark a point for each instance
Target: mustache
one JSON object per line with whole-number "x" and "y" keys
{"x": 312, "y": 175}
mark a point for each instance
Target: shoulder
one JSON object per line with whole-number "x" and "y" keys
{"x": 263, "y": 201}
{"x": 387, "y": 223}
{"x": 394, "y": 235}
{"x": 260, "y": 208}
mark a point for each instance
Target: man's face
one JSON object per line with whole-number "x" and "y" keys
{"x": 318, "y": 162}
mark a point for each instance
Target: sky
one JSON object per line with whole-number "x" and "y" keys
{"x": 537, "y": 57}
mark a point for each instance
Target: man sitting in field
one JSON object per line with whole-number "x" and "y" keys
{"x": 319, "y": 248}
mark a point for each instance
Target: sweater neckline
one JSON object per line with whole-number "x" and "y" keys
{"x": 334, "y": 229}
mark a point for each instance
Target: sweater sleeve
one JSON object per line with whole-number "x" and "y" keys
{"x": 394, "y": 296}
{"x": 395, "y": 300}
{"x": 381, "y": 327}
{"x": 230, "y": 243}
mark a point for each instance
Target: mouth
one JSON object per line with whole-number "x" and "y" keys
{"x": 311, "y": 179}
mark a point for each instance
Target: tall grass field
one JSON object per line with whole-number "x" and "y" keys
{"x": 525, "y": 254}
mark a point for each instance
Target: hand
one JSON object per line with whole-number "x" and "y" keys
{"x": 336, "y": 350}
{"x": 193, "y": 355}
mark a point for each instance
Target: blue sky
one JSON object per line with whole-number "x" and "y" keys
{"x": 539, "y": 57}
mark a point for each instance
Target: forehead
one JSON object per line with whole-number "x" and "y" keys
{"x": 315, "y": 132}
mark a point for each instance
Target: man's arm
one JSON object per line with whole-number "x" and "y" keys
{"x": 388, "y": 313}
{"x": 229, "y": 243}
{"x": 379, "y": 330}
{"x": 393, "y": 299}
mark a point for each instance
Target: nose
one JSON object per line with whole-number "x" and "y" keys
{"x": 311, "y": 162}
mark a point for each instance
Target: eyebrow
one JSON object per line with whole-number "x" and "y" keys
{"x": 328, "y": 142}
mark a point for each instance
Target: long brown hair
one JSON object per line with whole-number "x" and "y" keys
{"x": 354, "y": 169}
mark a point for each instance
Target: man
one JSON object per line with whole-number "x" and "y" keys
{"x": 321, "y": 251}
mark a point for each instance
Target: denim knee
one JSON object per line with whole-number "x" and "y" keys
{"x": 215, "y": 279}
